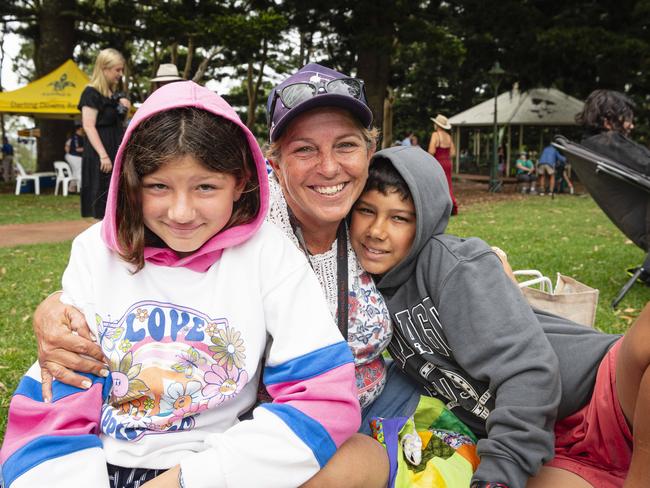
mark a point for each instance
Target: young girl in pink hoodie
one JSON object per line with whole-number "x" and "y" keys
{"x": 189, "y": 292}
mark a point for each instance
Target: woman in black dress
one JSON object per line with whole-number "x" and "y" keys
{"x": 102, "y": 116}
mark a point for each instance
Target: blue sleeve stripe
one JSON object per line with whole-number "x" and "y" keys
{"x": 43, "y": 449}
{"x": 309, "y": 365}
{"x": 31, "y": 388}
{"x": 307, "y": 429}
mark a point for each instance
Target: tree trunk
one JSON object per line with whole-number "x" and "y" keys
{"x": 373, "y": 62}
{"x": 173, "y": 52}
{"x": 54, "y": 45}
{"x": 252, "y": 89}
{"x": 2, "y": 59}
{"x": 387, "y": 128}
{"x": 156, "y": 59}
{"x": 306, "y": 45}
{"x": 205, "y": 62}
{"x": 189, "y": 58}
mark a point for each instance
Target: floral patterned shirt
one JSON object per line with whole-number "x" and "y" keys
{"x": 369, "y": 324}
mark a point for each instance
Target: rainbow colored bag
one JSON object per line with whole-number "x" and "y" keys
{"x": 432, "y": 449}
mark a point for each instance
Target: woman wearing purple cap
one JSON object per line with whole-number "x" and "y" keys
{"x": 321, "y": 141}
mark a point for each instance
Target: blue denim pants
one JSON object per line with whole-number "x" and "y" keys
{"x": 400, "y": 398}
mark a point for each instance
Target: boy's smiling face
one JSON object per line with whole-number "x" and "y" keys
{"x": 382, "y": 230}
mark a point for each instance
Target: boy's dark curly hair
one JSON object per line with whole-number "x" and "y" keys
{"x": 604, "y": 106}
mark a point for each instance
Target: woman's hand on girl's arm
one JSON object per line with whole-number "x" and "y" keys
{"x": 169, "y": 479}
{"x": 63, "y": 337}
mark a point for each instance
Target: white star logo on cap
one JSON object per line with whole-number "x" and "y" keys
{"x": 316, "y": 79}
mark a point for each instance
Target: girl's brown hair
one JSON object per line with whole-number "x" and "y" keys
{"x": 219, "y": 144}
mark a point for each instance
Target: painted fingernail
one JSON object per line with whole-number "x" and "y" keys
{"x": 93, "y": 337}
{"x": 86, "y": 384}
{"x": 104, "y": 373}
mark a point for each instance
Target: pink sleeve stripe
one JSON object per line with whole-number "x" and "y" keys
{"x": 29, "y": 419}
{"x": 329, "y": 398}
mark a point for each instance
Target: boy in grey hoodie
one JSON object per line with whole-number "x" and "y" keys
{"x": 464, "y": 330}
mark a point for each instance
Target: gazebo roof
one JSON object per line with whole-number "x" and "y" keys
{"x": 538, "y": 106}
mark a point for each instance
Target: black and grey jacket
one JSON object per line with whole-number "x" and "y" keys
{"x": 465, "y": 331}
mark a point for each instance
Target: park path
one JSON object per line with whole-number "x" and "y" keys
{"x": 21, "y": 234}
{"x": 469, "y": 193}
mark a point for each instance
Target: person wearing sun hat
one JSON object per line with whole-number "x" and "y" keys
{"x": 441, "y": 147}
{"x": 167, "y": 73}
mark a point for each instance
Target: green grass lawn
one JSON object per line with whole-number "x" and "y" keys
{"x": 27, "y": 275}
{"x": 28, "y": 208}
{"x": 569, "y": 234}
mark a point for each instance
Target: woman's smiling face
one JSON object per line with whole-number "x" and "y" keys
{"x": 323, "y": 166}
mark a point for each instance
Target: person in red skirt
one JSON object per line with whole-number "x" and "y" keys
{"x": 441, "y": 147}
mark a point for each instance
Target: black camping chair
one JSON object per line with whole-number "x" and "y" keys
{"x": 621, "y": 192}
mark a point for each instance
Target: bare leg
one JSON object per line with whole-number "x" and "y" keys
{"x": 633, "y": 390}
{"x": 556, "y": 477}
{"x": 360, "y": 462}
{"x": 567, "y": 178}
{"x": 551, "y": 185}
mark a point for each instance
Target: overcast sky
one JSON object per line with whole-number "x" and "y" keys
{"x": 11, "y": 48}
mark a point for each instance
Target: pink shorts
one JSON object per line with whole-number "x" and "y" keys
{"x": 595, "y": 442}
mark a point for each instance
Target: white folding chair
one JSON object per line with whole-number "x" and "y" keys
{"x": 64, "y": 177}
{"x": 538, "y": 278}
{"x": 21, "y": 175}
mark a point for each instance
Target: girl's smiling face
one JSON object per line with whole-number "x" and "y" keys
{"x": 185, "y": 204}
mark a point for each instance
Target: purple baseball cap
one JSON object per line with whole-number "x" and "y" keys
{"x": 280, "y": 116}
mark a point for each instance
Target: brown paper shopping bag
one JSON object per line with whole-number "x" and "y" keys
{"x": 570, "y": 298}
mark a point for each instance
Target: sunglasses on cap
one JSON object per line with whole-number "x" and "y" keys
{"x": 294, "y": 94}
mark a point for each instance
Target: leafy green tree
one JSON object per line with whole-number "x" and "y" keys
{"x": 49, "y": 25}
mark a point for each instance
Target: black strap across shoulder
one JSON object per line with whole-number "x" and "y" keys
{"x": 342, "y": 279}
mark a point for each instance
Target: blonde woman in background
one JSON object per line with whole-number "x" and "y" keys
{"x": 103, "y": 111}
{"x": 441, "y": 147}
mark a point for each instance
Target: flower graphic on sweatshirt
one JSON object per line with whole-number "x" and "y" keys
{"x": 142, "y": 314}
{"x": 126, "y": 385}
{"x": 212, "y": 329}
{"x": 179, "y": 396}
{"x": 228, "y": 348}
{"x": 223, "y": 384}
{"x": 125, "y": 345}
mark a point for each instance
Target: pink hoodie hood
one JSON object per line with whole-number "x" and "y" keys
{"x": 177, "y": 95}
